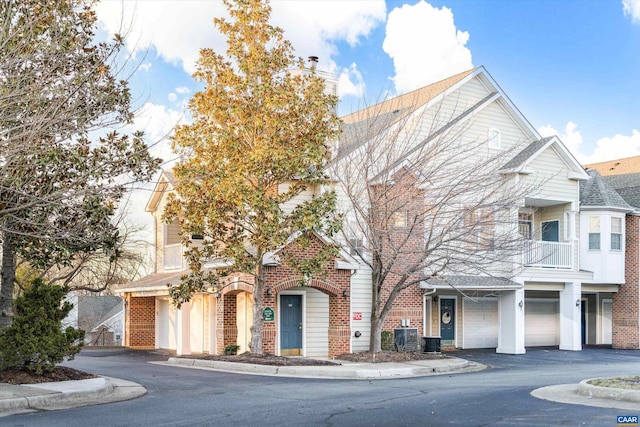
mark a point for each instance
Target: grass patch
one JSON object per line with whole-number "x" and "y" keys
{"x": 628, "y": 383}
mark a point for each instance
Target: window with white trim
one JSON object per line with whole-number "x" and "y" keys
{"x": 594, "y": 233}
{"x": 616, "y": 234}
{"x": 493, "y": 138}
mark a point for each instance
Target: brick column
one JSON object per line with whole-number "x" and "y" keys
{"x": 142, "y": 322}
{"x": 230, "y": 327}
{"x": 339, "y": 325}
{"x": 626, "y": 332}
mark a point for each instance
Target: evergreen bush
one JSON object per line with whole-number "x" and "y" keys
{"x": 35, "y": 341}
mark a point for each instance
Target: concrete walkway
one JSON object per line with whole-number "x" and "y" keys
{"x": 18, "y": 399}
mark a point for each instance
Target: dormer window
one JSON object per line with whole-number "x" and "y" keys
{"x": 494, "y": 138}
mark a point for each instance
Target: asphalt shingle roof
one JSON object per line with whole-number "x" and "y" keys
{"x": 627, "y": 186}
{"x": 596, "y": 192}
{"x": 526, "y": 153}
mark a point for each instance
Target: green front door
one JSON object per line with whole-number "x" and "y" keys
{"x": 290, "y": 325}
{"x": 447, "y": 322}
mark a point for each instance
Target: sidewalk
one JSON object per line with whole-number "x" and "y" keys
{"x": 345, "y": 369}
{"x": 19, "y": 399}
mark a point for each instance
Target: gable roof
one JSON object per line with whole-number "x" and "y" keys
{"x": 94, "y": 310}
{"x": 617, "y": 167}
{"x": 402, "y": 105}
{"x": 166, "y": 180}
{"x": 521, "y": 160}
{"x": 597, "y": 193}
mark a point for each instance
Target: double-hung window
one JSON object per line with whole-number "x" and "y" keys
{"x": 594, "y": 233}
{"x": 616, "y": 234}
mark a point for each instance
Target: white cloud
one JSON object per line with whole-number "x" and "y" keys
{"x": 183, "y": 90}
{"x": 571, "y": 137}
{"x": 172, "y": 97}
{"x": 616, "y": 147}
{"x": 350, "y": 82}
{"x": 178, "y": 29}
{"x": 432, "y": 50}
{"x": 606, "y": 148}
{"x": 146, "y": 66}
{"x": 632, "y": 8}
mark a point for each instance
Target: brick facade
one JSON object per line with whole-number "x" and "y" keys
{"x": 626, "y": 313}
{"x": 400, "y": 222}
{"x": 140, "y": 321}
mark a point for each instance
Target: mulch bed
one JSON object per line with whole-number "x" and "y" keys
{"x": 364, "y": 357}
{"x": 61, "y": 373}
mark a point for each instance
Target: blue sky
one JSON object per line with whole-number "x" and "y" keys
{"x": 571, "y": 67}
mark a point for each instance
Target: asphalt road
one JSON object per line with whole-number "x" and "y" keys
{"x": 499, "y": 396}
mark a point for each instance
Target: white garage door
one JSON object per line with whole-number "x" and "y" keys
{"x": 541, "y": 323}
{"x": 480, "y": 323}
{"x": 166, "y": 325}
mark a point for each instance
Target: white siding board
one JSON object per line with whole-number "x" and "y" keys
{"x": 317, "y": 323}
{"x": 361, "y": 302}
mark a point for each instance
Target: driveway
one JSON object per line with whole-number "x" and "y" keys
{"x": 498, "y": 396}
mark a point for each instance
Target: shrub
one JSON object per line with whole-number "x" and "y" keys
{"x": 35, "y": 341}
{"x": 386, "y": 340}
{"x": 230, "y": 349}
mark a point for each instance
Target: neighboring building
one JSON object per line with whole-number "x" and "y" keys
{"x": 560, "y": 299}
{"x": 622, "y": 228}
{"x": 100, "y": 316}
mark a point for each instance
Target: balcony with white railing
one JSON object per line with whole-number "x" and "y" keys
{"x": 548, "y": 254}
{"x": 172, "y": 257}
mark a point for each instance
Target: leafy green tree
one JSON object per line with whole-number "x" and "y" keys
{"x": 35, "y": 341}
{"x": 62, "y": 173}
{"x": 259, "y": 138}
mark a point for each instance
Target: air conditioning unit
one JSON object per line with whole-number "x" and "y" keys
{"x": 406, "y": 339}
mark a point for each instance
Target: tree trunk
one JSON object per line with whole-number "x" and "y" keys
{"x": 375, "y": 341}
{"x": 7, "y": 282}
{"x": 258, "y": 299}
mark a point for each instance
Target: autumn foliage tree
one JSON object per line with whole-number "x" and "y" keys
{"x": 261, "y": 121}
{"x": 62, "y": 171}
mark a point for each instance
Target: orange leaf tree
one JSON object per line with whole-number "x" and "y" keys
{"x": 259, "y": 138}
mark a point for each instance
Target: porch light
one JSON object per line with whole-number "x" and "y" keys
{"x": 521, "y": 303}
{"x": 345, "y": 293}
{"x": 269, "y": 292}
{"x": 578, "y": 302}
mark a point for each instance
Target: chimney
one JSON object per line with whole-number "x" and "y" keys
{"x": 314, "y": 61}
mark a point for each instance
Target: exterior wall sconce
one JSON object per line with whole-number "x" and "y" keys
{"x": 578, "y": 302}
{"x": 217, "y": 295}
{"x": 345, "y": 293}
{"x": 435, "y": 298}
{"x": 269, "y": 291}
{"x": 521, "y": 304}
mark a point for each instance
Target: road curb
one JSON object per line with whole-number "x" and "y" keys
{"x": 347, "y": 371}
{"x": 586, "y": 389}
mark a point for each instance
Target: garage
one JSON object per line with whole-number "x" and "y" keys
{"x": 541, "y": 322}
{"x": 480, "y": 328}
{"x": 166, "y": 324}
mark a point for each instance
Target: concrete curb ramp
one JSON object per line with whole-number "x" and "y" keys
{"x": 346, "y": 370}
{"x": 590, "y": 395}
{"x": 16, "y": 399}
